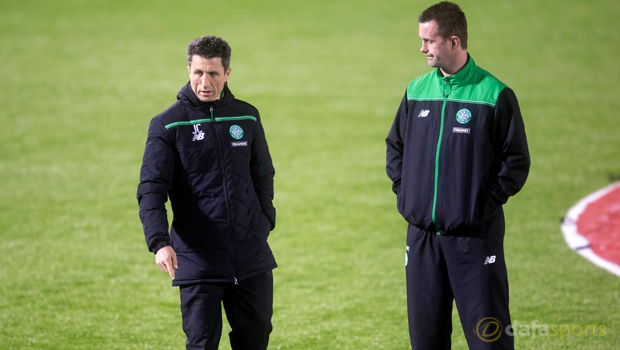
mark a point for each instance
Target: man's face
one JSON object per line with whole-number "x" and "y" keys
{"x": 437, "y": 50}
{"x": 207, "y": 77}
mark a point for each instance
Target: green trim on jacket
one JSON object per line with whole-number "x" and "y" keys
{"x": 470, "y": 85}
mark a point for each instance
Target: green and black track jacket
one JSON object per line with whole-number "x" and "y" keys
{"x": 457, "y": 150}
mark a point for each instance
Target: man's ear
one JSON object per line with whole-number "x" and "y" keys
{"x": 455, "y": 42}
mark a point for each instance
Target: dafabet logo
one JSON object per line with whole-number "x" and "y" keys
{"x": 489, "y": 329}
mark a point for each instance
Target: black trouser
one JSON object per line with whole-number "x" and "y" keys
{"x": 248, "y": 306}
{"x": 470, "y": 270}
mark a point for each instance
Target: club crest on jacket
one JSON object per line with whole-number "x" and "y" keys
{"x": 236, "y": 132}
{"x": 463, "y": 116}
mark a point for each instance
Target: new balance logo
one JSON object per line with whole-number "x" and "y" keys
{"x": 198, "y": 134}
{"x": 489, "y": 260}
{"x": 424, "y": 113}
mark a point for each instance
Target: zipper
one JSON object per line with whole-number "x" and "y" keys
{"x": 443, "y": 112}
{"x": 223, "y": 165}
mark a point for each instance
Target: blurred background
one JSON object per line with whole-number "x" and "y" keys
{"x": 80, "y": 81}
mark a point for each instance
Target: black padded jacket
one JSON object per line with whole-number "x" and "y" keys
{"x": 212, "y": 161}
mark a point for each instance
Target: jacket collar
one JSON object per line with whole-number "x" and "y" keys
{"x": 462, "y": 76}
{"x": 188, "y": 96}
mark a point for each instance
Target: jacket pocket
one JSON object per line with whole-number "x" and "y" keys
{"x": 198, "y": 237}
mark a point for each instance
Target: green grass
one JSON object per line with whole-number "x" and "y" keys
{"x": 79, "y": 81}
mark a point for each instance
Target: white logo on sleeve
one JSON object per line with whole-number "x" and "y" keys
{"x": 489, "y": 260}
{"x": 424, "y": 113}
{"x": 407, "y": 256}
{"x": 198, "y": 134}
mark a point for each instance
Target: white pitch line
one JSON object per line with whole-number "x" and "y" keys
{"x": 578, "y": 242}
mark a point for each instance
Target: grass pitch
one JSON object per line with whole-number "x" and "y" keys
{"x": 79, "y": 81}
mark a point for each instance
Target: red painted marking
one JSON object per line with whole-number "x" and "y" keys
{"x": 600, "y": 224}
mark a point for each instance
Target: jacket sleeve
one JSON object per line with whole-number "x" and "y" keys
{"x": 511, "y": 149}
{"x": 155, "y": 183}
{"x": 394, "y": 142}
{"x": 262, "y": 171}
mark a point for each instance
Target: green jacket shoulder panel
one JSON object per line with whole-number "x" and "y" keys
{"x": 471, "y": 85}
{"x": 426, "y": 87}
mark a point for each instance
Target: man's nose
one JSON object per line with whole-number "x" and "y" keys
{"x": 423, "y": 48}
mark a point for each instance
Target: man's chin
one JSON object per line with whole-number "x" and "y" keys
{"x": 208, "y": 98}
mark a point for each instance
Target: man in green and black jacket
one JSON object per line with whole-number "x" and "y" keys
{"x": 456, "y": 151}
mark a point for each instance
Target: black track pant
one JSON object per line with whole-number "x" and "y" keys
{"x": 248, "y": 306}
{"x": 470, "y": 270}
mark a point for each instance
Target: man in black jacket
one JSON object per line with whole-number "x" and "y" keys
{"x": 208, "y": 154}
{"x": 456, "y": 152}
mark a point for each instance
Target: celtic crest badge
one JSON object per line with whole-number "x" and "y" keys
{"x": 236, "y": 132}
{"x": 463, "y": 116}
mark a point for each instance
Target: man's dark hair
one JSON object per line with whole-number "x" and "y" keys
{"x": 450, "y": 20}
{"x": 209, "y": 47}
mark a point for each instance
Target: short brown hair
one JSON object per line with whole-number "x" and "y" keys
{"x": 450, "y": 20}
